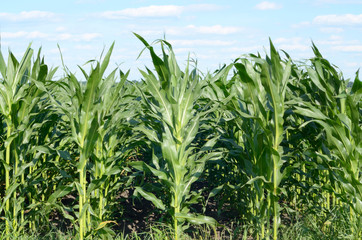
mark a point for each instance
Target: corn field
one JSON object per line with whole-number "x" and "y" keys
{"x": 262, "y": 138}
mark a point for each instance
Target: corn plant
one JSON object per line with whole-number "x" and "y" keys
{"x": 81, "y": 109}
{"x": 21, "y": 104}
{"x": 337, "y": 112}
{"x": 275, "y": 76}
{"x": 112, "y": 148}
{"x": 252, "y": 116}
{"x": 272, "y": 132}
{"x": 256, "y": 112}
{"x": 171, "y": 124}
{"x": 13, "y": 89}
{"x": 33, "y": 119}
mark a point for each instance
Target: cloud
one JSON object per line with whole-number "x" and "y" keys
{"x": 341, "y": 20}
{"x": 286, "y": 40}
{"x": 291, "y": 44}
{"x": 84, "y": 47}
{"x": 268, "y": 6}
{"x": 301, "y": 24}
{"x": 144, "y": 33}
{"x": 201, "y": 42}
{"x": 150, "y": 11}
{"x": 155, "y": 11}
{"x": 59, "y": 36}
{"x": 13, "y": 34}
{"x": 88, "y": 36}
{"x": 337, "y": 40}
{"x": 158, "y": 31}
{"x": 243, "y": 50}
{"x": 348, "y": 48}
{"x": 203, "y": 7}
{"x": 339, "y": 2}
{"x": 3, "y": 43}
{"x": 294, "y": 46}
{"x": 60, "y": 29}
{"x": 23, "y": 34}
{"x": 89, "y": 1}
{"x": 77, "y": 37}
{"x": 181, "y": 50}
{"x": 26, "y": 16}
{"x": 215, "y": 29}
{"x": 354, "y": 64}
{"x": 331, "y": 30}
{"x": 192, "y": 29}
{"x": 56, "y": 50}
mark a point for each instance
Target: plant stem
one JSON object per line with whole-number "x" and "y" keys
{"x": 82, "y": 200}
{"x": 7, "y": 180}
{"x": 16, "y": 163}
{"x": 22, "y": 219}
{"x": 177, "y": 210}
{"x": 275, "y": 179}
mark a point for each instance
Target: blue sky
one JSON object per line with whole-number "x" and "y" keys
{"x": 213, "y": 32}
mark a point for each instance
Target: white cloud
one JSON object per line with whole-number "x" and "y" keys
{"x": 64, "y": 36}
{"x": 339, "y": 2}
{"x": 37, "y": 34}
{"x": 88, "y": 36}
{"x": 26, "y": 16}
{"x": 56, "y": 50}
{"x": 336, "y": 37}
{"x": 334, "y": 40}
{"x": 203, "y": 7}
{"x": 243, "y": 50}
{"x": 156, "y": 11}
{"x": 294, "y": 46}
{"x": 144, "y": 33}
{"x": 301, "y": 24}
{"x": 23, "y": 34}
{"x": 182, "y": 50}
{"x": 200, "y": 42}
{"x": 88, "y": 1}
{"x": 331, "y": 30}
{"x": 60, "y": 29}
{"x": 353, "y": 64}
{"x": 13, "y": 34}
{"x": 268, "y": 6}
{"x": 84, "y": 47}
{"x": 158, "y": 31}
{"x": 3, "y": 43}
{"x": 57, "y": 37}
{"x": 333, "y": 19}
{"x": 291, "y": 44}
{"x": 328, "y": 42}
{"x": 77, "y": 37}
{"x": 215, "y": 29}
{"x": 348, "y": 48}
{"x": 287, "y": 40}
{"x": 150, "y": 11}
{"x": 192, "y": 29}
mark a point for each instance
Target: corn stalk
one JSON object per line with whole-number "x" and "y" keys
{"x": 172, "y": 123}
{"x": 81, "y": 108}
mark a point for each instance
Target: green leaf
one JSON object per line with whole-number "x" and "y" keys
{"x": 8, "y": 194}
{"x": 60, "y": 192}
{"x": 150, "y": 197}
{"x": 103, "y": 224}
{"x": 311, "y": 112}
{"x": 215, "y": 191}
{"x": 2, "y": 65}
{"x": 196, "y": 219}
{"x": 106, "y": 60}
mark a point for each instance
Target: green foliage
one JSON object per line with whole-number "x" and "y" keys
{"x": 171, "y": 123}
{"x": 261, "y": 148}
